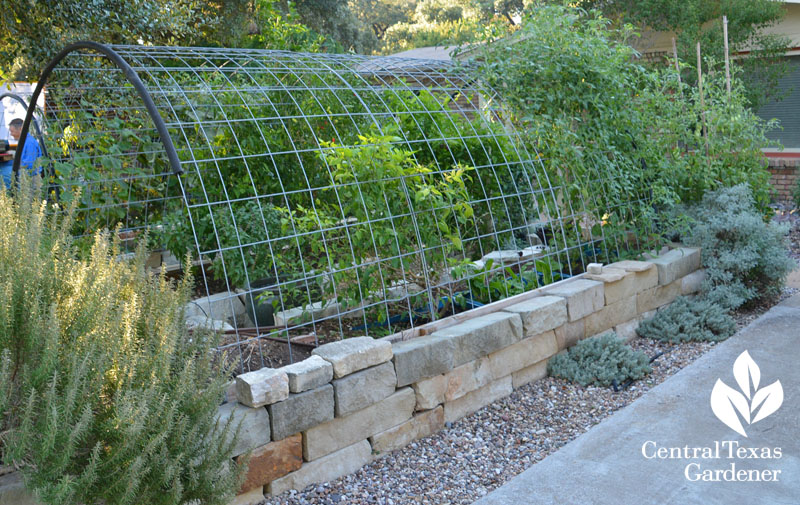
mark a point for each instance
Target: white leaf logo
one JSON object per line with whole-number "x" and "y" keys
{"x": 726, "y": 402}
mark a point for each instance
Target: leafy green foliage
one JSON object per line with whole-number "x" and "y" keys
{"x": 745, "y": 258}
{"x": 105, "y": 398}
{"x": 760, "y": 50}
{"x": 697, "y": 319}
{"x": 620, "y": 141}
{"x": 599, "y": 360}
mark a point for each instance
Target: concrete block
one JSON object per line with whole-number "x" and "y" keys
{"x": 540, "y": 314}
{"x": 421, "y": 425}
{"x": 627, "y": 330}
{"x": 676, "y": 263}
{"x": 342, "y": 462}
{"x": 529, "y": 374}
{"x": 262, "y": 387}
{"x": 310, "y": 373}
{"x": 523, "y": 354}
{"x": 301, "y": 411}
{"x": 252, "y": 497}
{"x": 619, "y": 284}
{"x": 570, "y": 334}
{"x": 273, "y": 461}
{"x": 430, "y": 392}
{"x": 482, "y": 335}
{"x": 645, "y": 273}
{"x": 477, "y": 399}
{"x": 611, "y": 315}
{"x": 225, "y": 306}
{"x": 253, "y": 425}
{"x": 361, "y": 389}
{"x": 467, "y": 377}
{"x": 583, "y": 297}
{"x": 341, "y": 432}
{"x": 658, "y": 296}
{"x": 422, "y": 357}
{"x": 354, "y": 354}
{"x": 693, "y": 282}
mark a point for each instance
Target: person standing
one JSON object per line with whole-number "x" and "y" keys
{"x": 31, "y": 152}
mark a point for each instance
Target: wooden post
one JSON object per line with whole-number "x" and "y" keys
{"x": 675, "y": 55}
{"x": 727, "y": 58}
{"x": 702, "y": 99}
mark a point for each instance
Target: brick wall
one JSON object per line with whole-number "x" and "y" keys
{"x": 785, "y": 173}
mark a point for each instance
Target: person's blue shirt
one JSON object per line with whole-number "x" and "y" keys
{"x": 30, "y": 153}
{"x": 6, "y": 170}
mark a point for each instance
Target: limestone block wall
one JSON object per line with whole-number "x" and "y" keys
{"x": 356, "y": 399}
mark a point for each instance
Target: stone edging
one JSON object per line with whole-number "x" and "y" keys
{"x": 327, "y": 416}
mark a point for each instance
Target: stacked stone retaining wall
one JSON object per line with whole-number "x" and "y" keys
{"x": 359, "y": 398}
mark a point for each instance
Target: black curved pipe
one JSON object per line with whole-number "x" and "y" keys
{"x": 132, "y": 77}
{"x": 38, "y": 130}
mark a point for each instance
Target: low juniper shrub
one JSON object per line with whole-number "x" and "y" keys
{"x": 698, "y": 320}
{"x": 600, "y": 360}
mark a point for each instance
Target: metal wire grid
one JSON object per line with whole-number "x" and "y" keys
{"x": 321, "y": 196}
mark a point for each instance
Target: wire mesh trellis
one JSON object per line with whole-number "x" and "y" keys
{"x": 319, "y": 196}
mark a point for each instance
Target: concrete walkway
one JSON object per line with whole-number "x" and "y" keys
{"x": 606, "y": 465}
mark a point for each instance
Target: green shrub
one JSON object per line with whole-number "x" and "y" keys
{"x": 600, "y": 360}
{"x": 745, "y": 258}
{"x": 695, "y": 320}
{"x": 105, "y": 396}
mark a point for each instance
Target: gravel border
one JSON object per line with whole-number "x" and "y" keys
{"x": 479, "y": 453}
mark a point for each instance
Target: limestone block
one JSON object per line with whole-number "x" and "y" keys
{"x": 354, "y": 354}
{"x": 301, "y": 411}
{"x": 523, "y": 354}
{"x": 262, "y": 387}
{"x": 421, "y": 425}
{"x": 361, "y": 389}
{"x": 477, "y": 399}
{"x": 253, "y": 425}
{"x": 482, "y": 335}
{"x": 627, "y": 330}
{"x": 422, "y": 357}
{"x": 272, "y": 461}
{"x": 570, "y": 334}
{"x": 341, "y": 432}
{"x": 467, "y": 377}
{"x": 658, "y": 296}
{"x": 583, "y": 296}
{"x": 693, "y": 282}
{"x": 594, "y": 268}
{"x": 310, "y": 373}
{"x": 645, "y": 273}
{"x": 611, "y": 315}
{"x": 540, "y": 314}
{"x": 252, "y": 497}
{"x": 530, "y": 374}
{"x": 676, "y": 263}
{"x": 225, "y": 306}
{"x": 342, "y": 462}
{"x": 430, "y": 392}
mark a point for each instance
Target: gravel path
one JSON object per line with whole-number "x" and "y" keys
{"x": 482, "y": 451}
